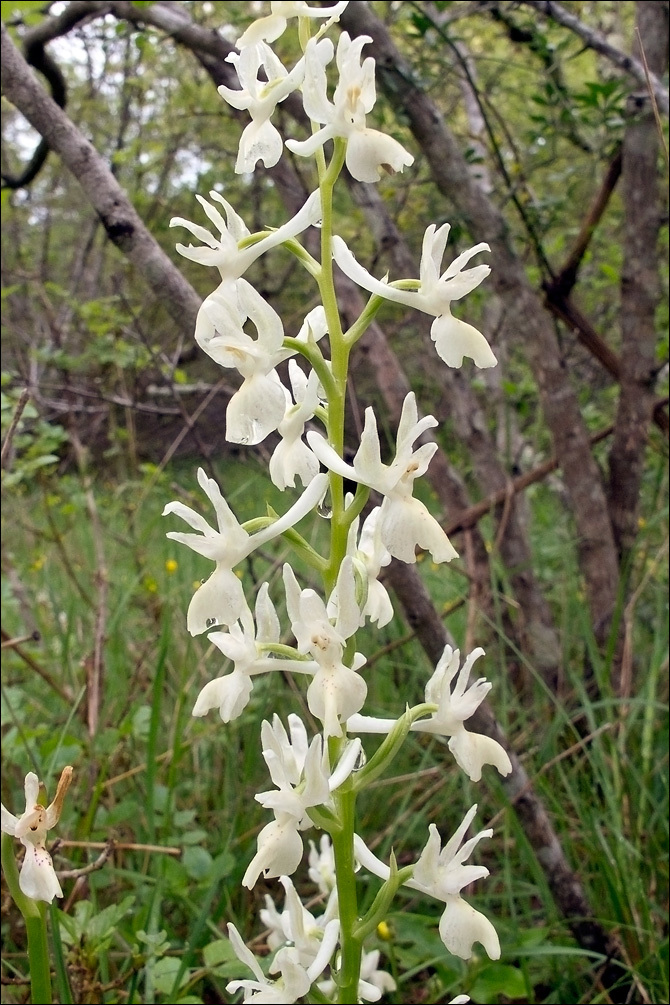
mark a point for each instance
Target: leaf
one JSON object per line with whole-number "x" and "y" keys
{"x": 498, "y": 979}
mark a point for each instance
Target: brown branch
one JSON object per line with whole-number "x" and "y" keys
{"x": 64, "y": 693}
{"x": 24, "y": 397}
{"x": 472, "y": 515}
{"x": 120, "y": 220}
{"x": 596, "y": 41}
{"x": 563, "y": 281}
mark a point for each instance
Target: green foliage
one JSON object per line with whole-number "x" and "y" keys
{"x": 145, "y": 777}
{"x": 34, "y": 443}
{"x": 176, "y": 794}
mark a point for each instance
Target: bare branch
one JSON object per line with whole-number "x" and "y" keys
{"x": 594, "y": 40}
{"x": 123, "y": 225}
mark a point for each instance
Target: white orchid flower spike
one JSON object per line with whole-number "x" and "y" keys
{"x": 37, "y": 879}
{"x": 404, "y": 522}
{"x": 220, "y": 599}
{"x": 453, "y": 338}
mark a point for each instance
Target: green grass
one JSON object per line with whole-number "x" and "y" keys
{"x": 147, "y": 926}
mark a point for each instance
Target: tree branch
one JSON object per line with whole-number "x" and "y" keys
{"x": 120, "y": 220}
{"x": 594, "y": 40}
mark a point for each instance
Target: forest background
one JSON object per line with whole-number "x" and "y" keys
{"x": 538, "y": 127}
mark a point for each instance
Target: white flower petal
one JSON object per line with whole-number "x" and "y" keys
{"x": 230, "y": 694}
{"x": 368, "y": 151}
{"x": 473, "y": 750}
{"x": 218, "y": 601}
{"x": 455, "y": 339}
{"x": 461, "y": 926}
{"x": 38, "y": 879}
{"x": 256, "y": 409}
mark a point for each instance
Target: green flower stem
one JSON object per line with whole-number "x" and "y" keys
{"x": 36, "y": 927}
{"x": 339, "y": 363}
{"x": 296, "y": 248}
{"x": 352, "y": 946}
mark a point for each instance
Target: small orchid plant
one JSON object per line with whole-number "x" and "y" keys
{"x": 316, "y": 780}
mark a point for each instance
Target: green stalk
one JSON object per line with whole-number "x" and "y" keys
{"x": 352, "y": 947}
{"x": 36, "y": 927}
{"x": 339, "y": 351}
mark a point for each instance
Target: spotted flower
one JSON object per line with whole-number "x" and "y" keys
{"x": 37, "y": 879}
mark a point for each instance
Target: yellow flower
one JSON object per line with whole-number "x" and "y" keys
{"x": 171, "y": 566}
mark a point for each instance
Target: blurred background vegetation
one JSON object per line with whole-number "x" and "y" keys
{"x": 108, "y": 408}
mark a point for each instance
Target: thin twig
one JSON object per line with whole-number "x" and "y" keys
{"x": 652, "y": 95}
{"x": 62, "y": 692}
{"x": 95, "y": 664}
{"x": 16, "y": 418}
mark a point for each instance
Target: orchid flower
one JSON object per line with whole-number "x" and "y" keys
{"x": 260, "y": 140}
{"x": 404, "y": 522}
{"x": 258, "y": 406}
{"x": 336, "y": 691}
{"x": 38, "y": 878}
{"x": 244, "y": 646}
{"x": 223, "y": 251}
{"x": 294, "y": 981}
{"x": 303, "y": 779}
{"x": 368, "y": 150}
{"x": 292, "y": 458}
{"x": 471, "y": 750}
{"x": 220, "y": 599}
{"x": 268, "y": 29}
{"x": 296, "y": 924}
{"x": 369, "y": 554}
{"x": 453, "y": 339}
{"x": 440, "y": 873}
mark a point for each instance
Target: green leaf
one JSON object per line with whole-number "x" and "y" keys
{"x": 498, "y": 979}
